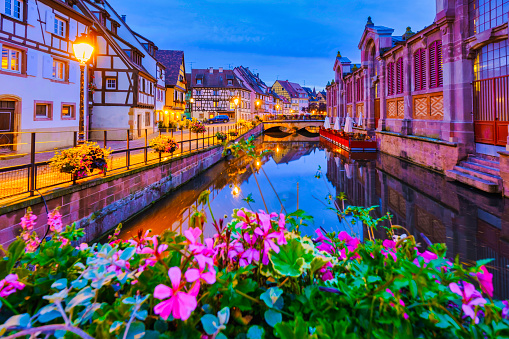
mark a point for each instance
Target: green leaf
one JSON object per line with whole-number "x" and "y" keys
{"x": 255, "y": 332}
{"x": 60, "y": 284}
{"x": 81, "y": 299}
{"x": 136, "y": 330}
{"x": 413, "y": 288}
{"x": 116, "y": 325}
{"x": 48, "y": 313}
{"x": 292, "y": 260}
{"x": 128, "y": 253}
{"x": 271, "y": 296}
{"x": 273, "y": 317}
{"x": 297, "y": 329}
{"x": 210, "y": 323}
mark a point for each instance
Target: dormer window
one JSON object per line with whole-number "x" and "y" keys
{"x": 230, "y": 82}
{"x": 198, "y": 81}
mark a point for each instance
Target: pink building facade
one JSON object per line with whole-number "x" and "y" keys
{"x": 434, "y": 96}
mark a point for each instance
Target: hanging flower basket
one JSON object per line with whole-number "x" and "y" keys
{"x": 197, "y": 127}
{"x": 163, "y": 144}
{"x": 82, "y": 160}
{"x": 221, "y": 136}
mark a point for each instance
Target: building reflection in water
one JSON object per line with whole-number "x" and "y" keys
{"x": 472, "y": 224}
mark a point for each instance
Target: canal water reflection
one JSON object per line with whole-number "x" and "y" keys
{"x": 473, "y": 225}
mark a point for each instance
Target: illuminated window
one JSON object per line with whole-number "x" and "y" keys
{"x": 59, "y": 28}
{"x": 198, "y": 81}
{"x": 59, "y": 70}
{"x": 486, "y": 14}
{"x": 111, "y": 83}
{"x": 492, "y": 61}
{"x": 68, "y": 111}
{"x": 11, "y": 60}
{"x": 14, "y": 8}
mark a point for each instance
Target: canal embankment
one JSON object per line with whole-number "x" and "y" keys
{"x": 99, "y": 205}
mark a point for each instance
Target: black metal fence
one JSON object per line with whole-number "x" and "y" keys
{"x": 27, "y": 178}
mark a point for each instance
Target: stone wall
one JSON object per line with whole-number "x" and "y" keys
{"x": 99, "y": 205}
{"x": 433, "y": 154}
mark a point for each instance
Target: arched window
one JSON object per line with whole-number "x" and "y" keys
{"x": 390, "y": 78}
{"x": 436, "y": 77}
{"x": 420, "y": 69}
{"x": 399, "y": 76}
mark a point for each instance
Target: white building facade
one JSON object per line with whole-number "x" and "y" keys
{"x": 39, "y": 75}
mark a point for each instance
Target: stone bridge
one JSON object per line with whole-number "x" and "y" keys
{"x": 304, "y": 127}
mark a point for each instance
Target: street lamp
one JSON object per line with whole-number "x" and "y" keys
{"x": 191, "y": 101}
{"x": 236, "y": 101}
{"x": 83, "y": 49}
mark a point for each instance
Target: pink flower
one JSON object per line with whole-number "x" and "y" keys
{"x": 267, "y": 233}
{"x": 251, "y": 254}
{"x": 178, "y": 303}
{"x": 140, "y": 240}
{"x": 427, "y": 256}
{"x": 55, "y": 221}
{"x": 351, "y": 242}
{"x": 471, "y": 298}
{"x": 485, "y": 281}
{"x": 389, "y": 244}
{"x": 9, "y": 285}
{"x": 195, "y": 274}
{"x": 118, "y": 266}
{"x": 193, "y": 235}
{"x": 156, "y": 252}
{"x": 28, "y": 221}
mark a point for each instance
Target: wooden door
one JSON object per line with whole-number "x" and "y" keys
{"x": 6, "y": 125}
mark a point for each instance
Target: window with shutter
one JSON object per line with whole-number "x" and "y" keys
{"x": 435, "y": 65}
{"x": 399, "y": 76}
{"x": 390, "y": 78}
{"x": 419, "y": 67}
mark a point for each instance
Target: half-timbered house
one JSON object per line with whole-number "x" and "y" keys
{"x": 39, "y": 75}
{"x": 175, "y": 87}
{"x": 214, "y": 91}
{"x": 126, "y": 75}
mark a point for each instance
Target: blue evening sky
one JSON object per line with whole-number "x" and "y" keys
{"x": 294, "y": 40}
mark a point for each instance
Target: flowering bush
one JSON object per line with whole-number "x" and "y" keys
{"x": 221, "y": 136}
{"x": 163, "y": 144}
{"x": 257, "y": 277}
{"x": 81, "y": 160}
{"x": 197, "y": 127}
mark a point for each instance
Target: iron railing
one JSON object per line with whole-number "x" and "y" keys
{"x": 32, "y": 175}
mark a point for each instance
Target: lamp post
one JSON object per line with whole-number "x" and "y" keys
{"x": 236, "y": 103}
{"x": 83, "y": 49}
{"x": 191, "y": 101}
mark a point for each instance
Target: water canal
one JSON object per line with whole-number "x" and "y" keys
{"x": 305, "y": 173}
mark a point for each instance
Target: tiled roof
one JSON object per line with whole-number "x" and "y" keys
{"x": 253, "y": 81}
{"x": 216, "y": 79}
{"x": 172, "y": 60}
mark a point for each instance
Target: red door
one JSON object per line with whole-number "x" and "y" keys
{"x": 377, "y": 112}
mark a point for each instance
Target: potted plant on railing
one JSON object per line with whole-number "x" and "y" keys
{"x": 233, "y": 133}
{"x": 163, "y": 144}
{"x": 197, "y": 127}
{"x": 82, "y": 160}
{"x": 221, "y": 136}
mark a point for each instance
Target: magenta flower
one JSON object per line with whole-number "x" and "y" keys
{"x": 267, "y": 233}
{"x": 156, "y": 252}
{"x": 195, "y": 274}
{"x": 485, "y": 281}
{"x": 351, "y": 242}
{"x": 236, "y": 250}
{"x": 9, "y": 285}
{"x": 470, "y": 298}
{"x": 505, "y": 310}
{"x": 55, "y": 221}
{"x": 193, "y": 236}
{"x": 178, "y": 303}
{"x": 251, "y": 254}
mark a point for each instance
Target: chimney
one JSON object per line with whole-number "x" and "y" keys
{"x": 211, "y": 70}
{"x": 220, "y": 69}
{"x": 123, "y": 17}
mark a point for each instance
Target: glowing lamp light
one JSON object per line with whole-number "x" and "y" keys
{"x": 83, "y": 48}
{"x": 192, "y": 100}
{"x": 257, "y": 162}
{"x": 235, "y": 190}
{"x": 236, "y": 101}
{"x": 166, "y": 112}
